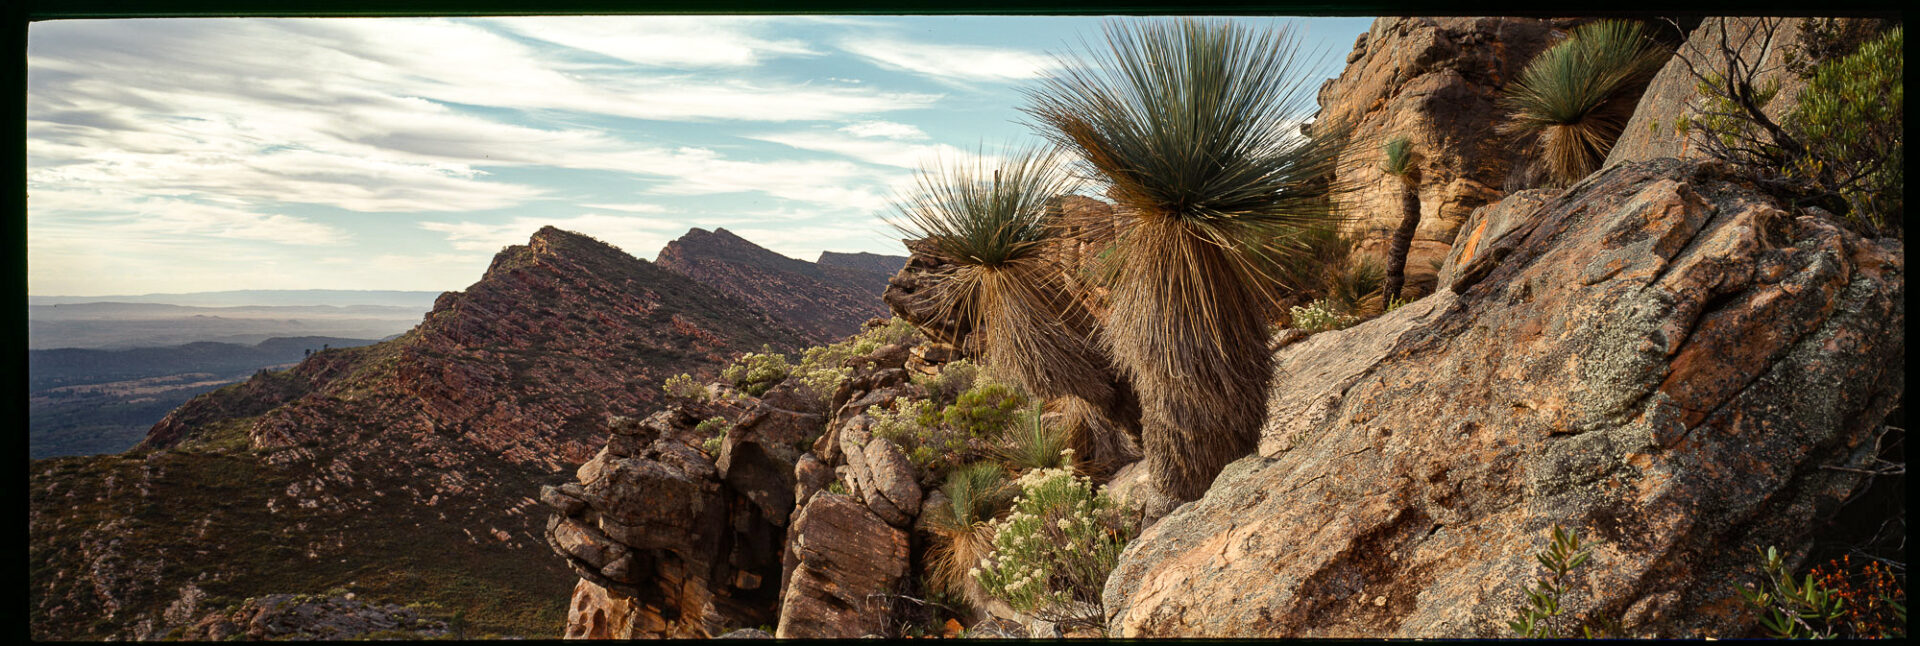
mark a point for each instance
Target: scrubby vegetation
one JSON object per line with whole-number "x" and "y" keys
{"x": 1841, "y": 145}
{"x": 1052, "y": 554}
{"x": 961, "y": 526}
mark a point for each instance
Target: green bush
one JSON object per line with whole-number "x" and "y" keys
{"x": 954, "y": 378}
{"x": 715, "y": 428}
{"x": 975, "y": 494}
{"x": 985, "y": 409}
{"x": 682, "y": 386}
{"x": 914, "y": 425}
{"x": 1850, "y": 117}
{"x": 1052, "y": 554}
{"x": 757, "y": 372}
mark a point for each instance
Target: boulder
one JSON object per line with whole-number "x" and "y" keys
{"x": 1435, "y": 81}
{"x": 846, "y": 566}
{"x": 911, "y": 294}
{"x": 1667, "y": 360}
{"x": 758, "y": 455}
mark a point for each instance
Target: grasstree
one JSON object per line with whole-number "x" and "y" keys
{"x": 1399, "y": 163}
{"x": 1187, "y": 124}
{"x": 1008, "y": 282}
{"x": 1572, "y": 100}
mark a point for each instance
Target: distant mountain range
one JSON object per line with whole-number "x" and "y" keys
{"x": 824, "y": 301}
{"x": 112, "y": 325}
{"x": 261, "y": 297}
{"x": 401, "y": 470}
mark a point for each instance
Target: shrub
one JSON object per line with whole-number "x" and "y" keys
{"x": 757, "y": 372}
{"x": 1052, "y": 554}
{"x": 1318, "y": 316}
{"x": 1850, "y": 117}
{"x": 1831, "y": 601}
{"x": 954, "y": 378}
{"x": 1539, "y": 618}
{"x": 1841, "y": 145}
{"x": 915, "y": 425}
{"x": 985, "y": 409}
{"x": 715, "y": 428}
{"x": 682, "y": 386}
{"x": 1029, "y": 443}
{"x": 975, "y": 494}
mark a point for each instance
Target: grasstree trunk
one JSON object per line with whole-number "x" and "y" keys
{"x": 1201, "y": 380}
{"x": 1402, "y": 238}
{"x": 1045, "y": 344}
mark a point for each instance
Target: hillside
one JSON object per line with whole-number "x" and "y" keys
{"x": 399, "y": 471}
{"x": 880, "y": 265}
{"x": 85, "y": 402}
{"x": 823, "y": 301}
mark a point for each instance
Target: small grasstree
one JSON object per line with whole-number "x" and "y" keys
{"x": 1006, "y": 281}
{"x": 1573, "y": 99}
{"x": 1399, "y": 164}
{"x": 975, "y": 494}
{"x": 1192, "y": 125}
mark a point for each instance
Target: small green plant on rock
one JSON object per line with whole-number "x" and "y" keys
{"x": 1828, "y": 602}
{"x": 1319, "y": 316}
{"x": 1052, "y": 555}
{"x": 1030, "y": 443}
{"x": 757, "y": 372}
{"x": 961, "y": 527}
{"x": 682, "y": 386}
{"x": 985, "y": 409}
{"x": 914, "y": 425}
{"x": 954, "y": 378}
{"x": 1540, "y": 617}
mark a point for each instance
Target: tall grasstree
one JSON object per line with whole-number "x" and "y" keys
{"x": 1399, "y": 164}
{"x": 1572, "y": 100}
{"x": 1008, "y": 282}
{"x": 1192, "y": 126}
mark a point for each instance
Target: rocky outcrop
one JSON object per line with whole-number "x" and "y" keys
{"x": 913, "y": 296}
{"x": 822, "y": 301}
{"x": 846, "y": 565}
{"x": 1661, "y": 357}
{"x": 1435, "y": 81}
{"x": 670, "y": 549}
{"x": 1761, "y": 44}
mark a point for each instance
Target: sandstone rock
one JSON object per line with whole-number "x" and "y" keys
{"x": 893, "y": 476}
{"x": 1435, "y": 81}
{"x": 1652, "y": 131}
{"x": 911, "y": 295}
{"x": 811, "y": 476}
{"x": 746, "y": 633}
{"x": 1487, "y": 228}
{"x": 664, "y": 545}
{"x": 846, "y": 564}
{"x": 758, "y": 456}
{"x": 1667, "y": 361}
{"x": 1132, "y": 487}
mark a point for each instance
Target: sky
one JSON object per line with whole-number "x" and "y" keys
{"x": 184, "y": 155}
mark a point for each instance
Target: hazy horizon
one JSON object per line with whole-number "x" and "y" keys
{"x": 192, "y": 155}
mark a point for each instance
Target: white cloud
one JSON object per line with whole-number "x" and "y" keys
{"x": 949, "y": 62}
{"x": 684, "y": 41}
{"x": 635, "y": 207}
{"x": 885, "y": 130}
{"x": 869, "y": 150}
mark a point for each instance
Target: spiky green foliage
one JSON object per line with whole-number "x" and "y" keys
{"x": 1573, "y": 99}
{"x": 993, "y": 224}
{"x": 1031, "y": 443}
{"x": 1398, "y": 153}
{"x": 1191, "y": 124}
{"x": 975, "y": 494}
